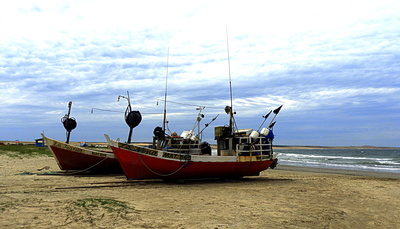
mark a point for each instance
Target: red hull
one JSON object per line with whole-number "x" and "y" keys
{"x": 71, "y": 160}
{"x": 142, "y": 166}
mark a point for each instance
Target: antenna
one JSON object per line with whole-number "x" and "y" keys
{"x": 165, "y": 95}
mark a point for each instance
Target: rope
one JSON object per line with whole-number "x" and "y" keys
{"x": 134, "y": 163}
{"x": 56, "y": 173}
{"x": 84, "y": 170}
{"x": 163, "y": 175}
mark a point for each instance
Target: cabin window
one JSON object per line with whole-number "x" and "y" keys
{"x": 224, "y": 144}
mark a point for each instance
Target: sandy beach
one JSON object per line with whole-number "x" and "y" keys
{"x": 287, "y": 197}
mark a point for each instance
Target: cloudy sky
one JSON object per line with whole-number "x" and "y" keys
{"x": 334, "y": 65}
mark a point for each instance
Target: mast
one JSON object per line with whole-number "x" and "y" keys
{"x": 67, "y": 119}
{"x": 165, "y": 95}
{"x": 230, "y": 86}
{"x": 127, "y": 112}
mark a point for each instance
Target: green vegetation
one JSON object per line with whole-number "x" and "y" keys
{"x": 108, "y": 204}
{"x": 93, "y": 209}
{"x": 21, "y": 151}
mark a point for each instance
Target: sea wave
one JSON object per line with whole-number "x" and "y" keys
{"x": 349, "y": 159}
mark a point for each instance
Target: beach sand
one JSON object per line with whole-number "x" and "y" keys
{"x": 286, "y": 197}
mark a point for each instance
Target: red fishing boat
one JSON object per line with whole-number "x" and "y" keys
{"x": 77, "y": 158}
{"x": 82, "y": 159}
{"x": 180, "y": 158}
{"x": 238, "y": 153}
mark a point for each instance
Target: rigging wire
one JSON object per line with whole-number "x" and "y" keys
{"x": 105, "y": 110}
{"x": 117, "y": 111}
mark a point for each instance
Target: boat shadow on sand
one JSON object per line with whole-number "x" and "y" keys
{"x": 158, "y": 183}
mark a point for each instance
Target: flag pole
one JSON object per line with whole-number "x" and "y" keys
{"x": 276, "y": 111}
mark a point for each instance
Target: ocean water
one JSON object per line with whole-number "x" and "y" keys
{"x": 372, "y": 160}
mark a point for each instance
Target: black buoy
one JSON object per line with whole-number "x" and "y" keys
{"x": 205, "y": 148}
{"x": 132, "y": 118}
{"x": 69, "y": 122}
{"x": 159, "y": 132}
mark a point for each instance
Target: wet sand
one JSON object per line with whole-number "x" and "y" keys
{"x": 286, "y": 197}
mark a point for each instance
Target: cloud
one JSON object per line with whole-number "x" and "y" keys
{"x": 326, "y": 62}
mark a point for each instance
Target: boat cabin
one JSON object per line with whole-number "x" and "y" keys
{"x": 186, "y": 143}
{"x": 244, "y": 142}
{"x": 177, "y": 145}
{"x": 39, "y": 142}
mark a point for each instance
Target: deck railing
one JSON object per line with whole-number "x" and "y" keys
{"x": 248, "y": 146}
{"x": 180, "y": 145}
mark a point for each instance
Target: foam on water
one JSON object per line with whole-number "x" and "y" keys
{"x": 379, "y": 160}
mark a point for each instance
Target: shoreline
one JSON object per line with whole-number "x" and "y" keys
{"x": 372, "y": 174}
{"x": 333, "y": 147}
{"x": 277, "y": 147}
